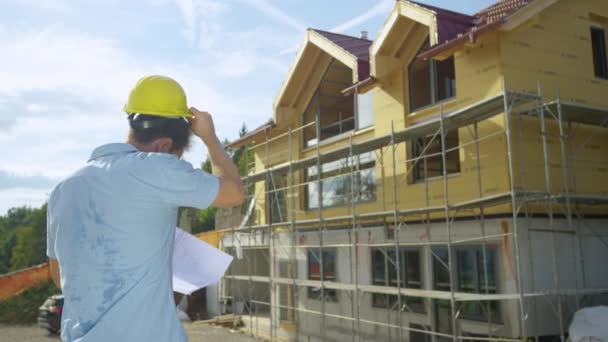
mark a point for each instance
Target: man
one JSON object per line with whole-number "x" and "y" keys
{"x": 111, "y": 224}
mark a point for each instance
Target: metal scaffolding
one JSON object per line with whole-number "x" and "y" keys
{"x": 524, "y": 204}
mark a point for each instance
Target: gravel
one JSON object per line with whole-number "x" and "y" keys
{"x": 196, "y": 332}
{"x": 25, "y": 333}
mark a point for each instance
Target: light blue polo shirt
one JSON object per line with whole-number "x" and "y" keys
{"x": 111, "y": 226}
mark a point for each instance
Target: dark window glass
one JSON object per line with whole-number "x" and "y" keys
{"x": 277, "y": 198}
{"x": 600, "y": 59}
{"x": 440, "y": 270}
{"x": 421, "y": 94}
{"x": 335, "y": 111}
{"x": 384, "y": 273}
{"x": 471, "y": 278}
{"x": 412, "y": 269}
{"x": 329, "y": 272}
{"x": 419, "y": 336}
{"x": 431, "y": 163}
{"x": 310, "y": 129}
{"x": 431, "y": 81}
{"x": 445, "y": 79}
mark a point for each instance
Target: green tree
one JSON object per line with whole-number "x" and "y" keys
{"x": 22, "y": 238}
{"x": 206, "y": 220}
{"x": 206, "y": 217}
{"x": 23, "y": 253}
{"x": 8, "y": 240}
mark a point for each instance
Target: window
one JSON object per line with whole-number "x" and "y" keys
{"x": 600, "y": 59}
{"x": 431, "y": 163}
{"x": 277, "y": 198}
{"x": 431, "y": 81}
{"x": 419, "y": 336}
{"x": 336, "y": 182}
{"x": 335, "y": 112}
{"x": 365, "y": 110}
{"x": 469, "y": 277}
{"x": 329, "y": 272}
{"x": 384, "y": 273}
{"x": 441, "y": 274}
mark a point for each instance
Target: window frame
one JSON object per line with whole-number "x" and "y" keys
{"x": 386, "y": 301}
{"x": 357, "y": 96}
{"x": 418, "y": 168}
{"x": 279, "y": 193}
{"x": 433, "y": 86}
{"x": 342, "y": 172}
{"x": 601, "y": 71}
{"x": 478, "y": 288}
{"x": 330, "y": 295}
{"x": 315, "y": 100}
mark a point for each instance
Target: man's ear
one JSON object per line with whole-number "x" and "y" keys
{"x": 163, "y": 145}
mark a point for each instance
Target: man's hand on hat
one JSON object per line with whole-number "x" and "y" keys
{"x": 202, "y": 125}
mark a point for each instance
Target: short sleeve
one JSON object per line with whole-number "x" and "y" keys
{"x": 177, "y": 183}
{"x": 51, "y": 231}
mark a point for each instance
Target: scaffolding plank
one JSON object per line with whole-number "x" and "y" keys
{"x": 580, "y": 113}
{"x": 478, "y": 111}
{"x": 421, "y": 293}
{"x": 487, "y": 201}
{"x": 583, "y": 199}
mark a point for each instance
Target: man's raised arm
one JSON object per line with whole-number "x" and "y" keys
{"x": 230, "y": 192}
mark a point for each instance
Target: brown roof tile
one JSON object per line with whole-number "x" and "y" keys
{"x": 449, "y": 23}
{"x": 484, "y": 20}
{"x": 358, "y": 47}
{"x": 500, "y": 10}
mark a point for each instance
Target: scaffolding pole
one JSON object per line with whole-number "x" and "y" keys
{"x": 320, "y": 216}
{"x": 518, "y": 196}
{"x": 549, "y": 206}
{"x": 448, "y": 227}
{"x": 355, "y": 249}
{"x": 396, "y": 227}
{"x": 507, "y": 107}
{"x": 579, "y": 265}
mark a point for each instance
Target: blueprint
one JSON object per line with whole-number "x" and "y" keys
{"x": 196, "y": 264}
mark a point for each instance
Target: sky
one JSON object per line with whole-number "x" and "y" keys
{"x": 67, "y": 66}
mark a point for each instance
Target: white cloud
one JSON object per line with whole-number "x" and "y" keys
{"x": 17, "y": 197}
{"x": 233, "y": 54}
{"x": 62, "y": 6}
{"x": 62, "y": 95}
{"x": 381, "y": 8}
{"x": 198, "y": 11}
{"x": 276, "y": 13}
{"x": 59, "y": 60}
{"x": 11, "y": 180}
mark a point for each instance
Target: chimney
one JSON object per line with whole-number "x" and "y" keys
{"x": 363, "y": 35}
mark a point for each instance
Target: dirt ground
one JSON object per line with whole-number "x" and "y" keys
{"x": 196, "y": 332}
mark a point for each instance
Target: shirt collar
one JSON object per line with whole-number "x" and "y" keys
{"x": 113, "y": 148}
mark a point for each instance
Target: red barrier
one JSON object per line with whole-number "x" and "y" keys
{"x": 14, "y": 283}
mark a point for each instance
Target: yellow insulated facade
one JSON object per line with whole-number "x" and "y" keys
{"x": 443, "y": 149}
{"x": 551, "y": 49}
{"x": 554, "y": 50}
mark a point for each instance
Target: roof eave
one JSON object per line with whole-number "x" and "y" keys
{"x": 457, "y": 43}
{"x": 261, "y": 131}
{"x": 361, "y": 86}
{"x": 327, "y": 46}
{"x": 507, "y": 23}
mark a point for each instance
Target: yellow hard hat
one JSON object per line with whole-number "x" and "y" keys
{"x": 158, "y": 95}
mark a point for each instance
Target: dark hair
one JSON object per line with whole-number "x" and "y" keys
{"x": 147, "y": 128}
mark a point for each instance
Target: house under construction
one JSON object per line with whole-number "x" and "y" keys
{"x": 446, "y": 181}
